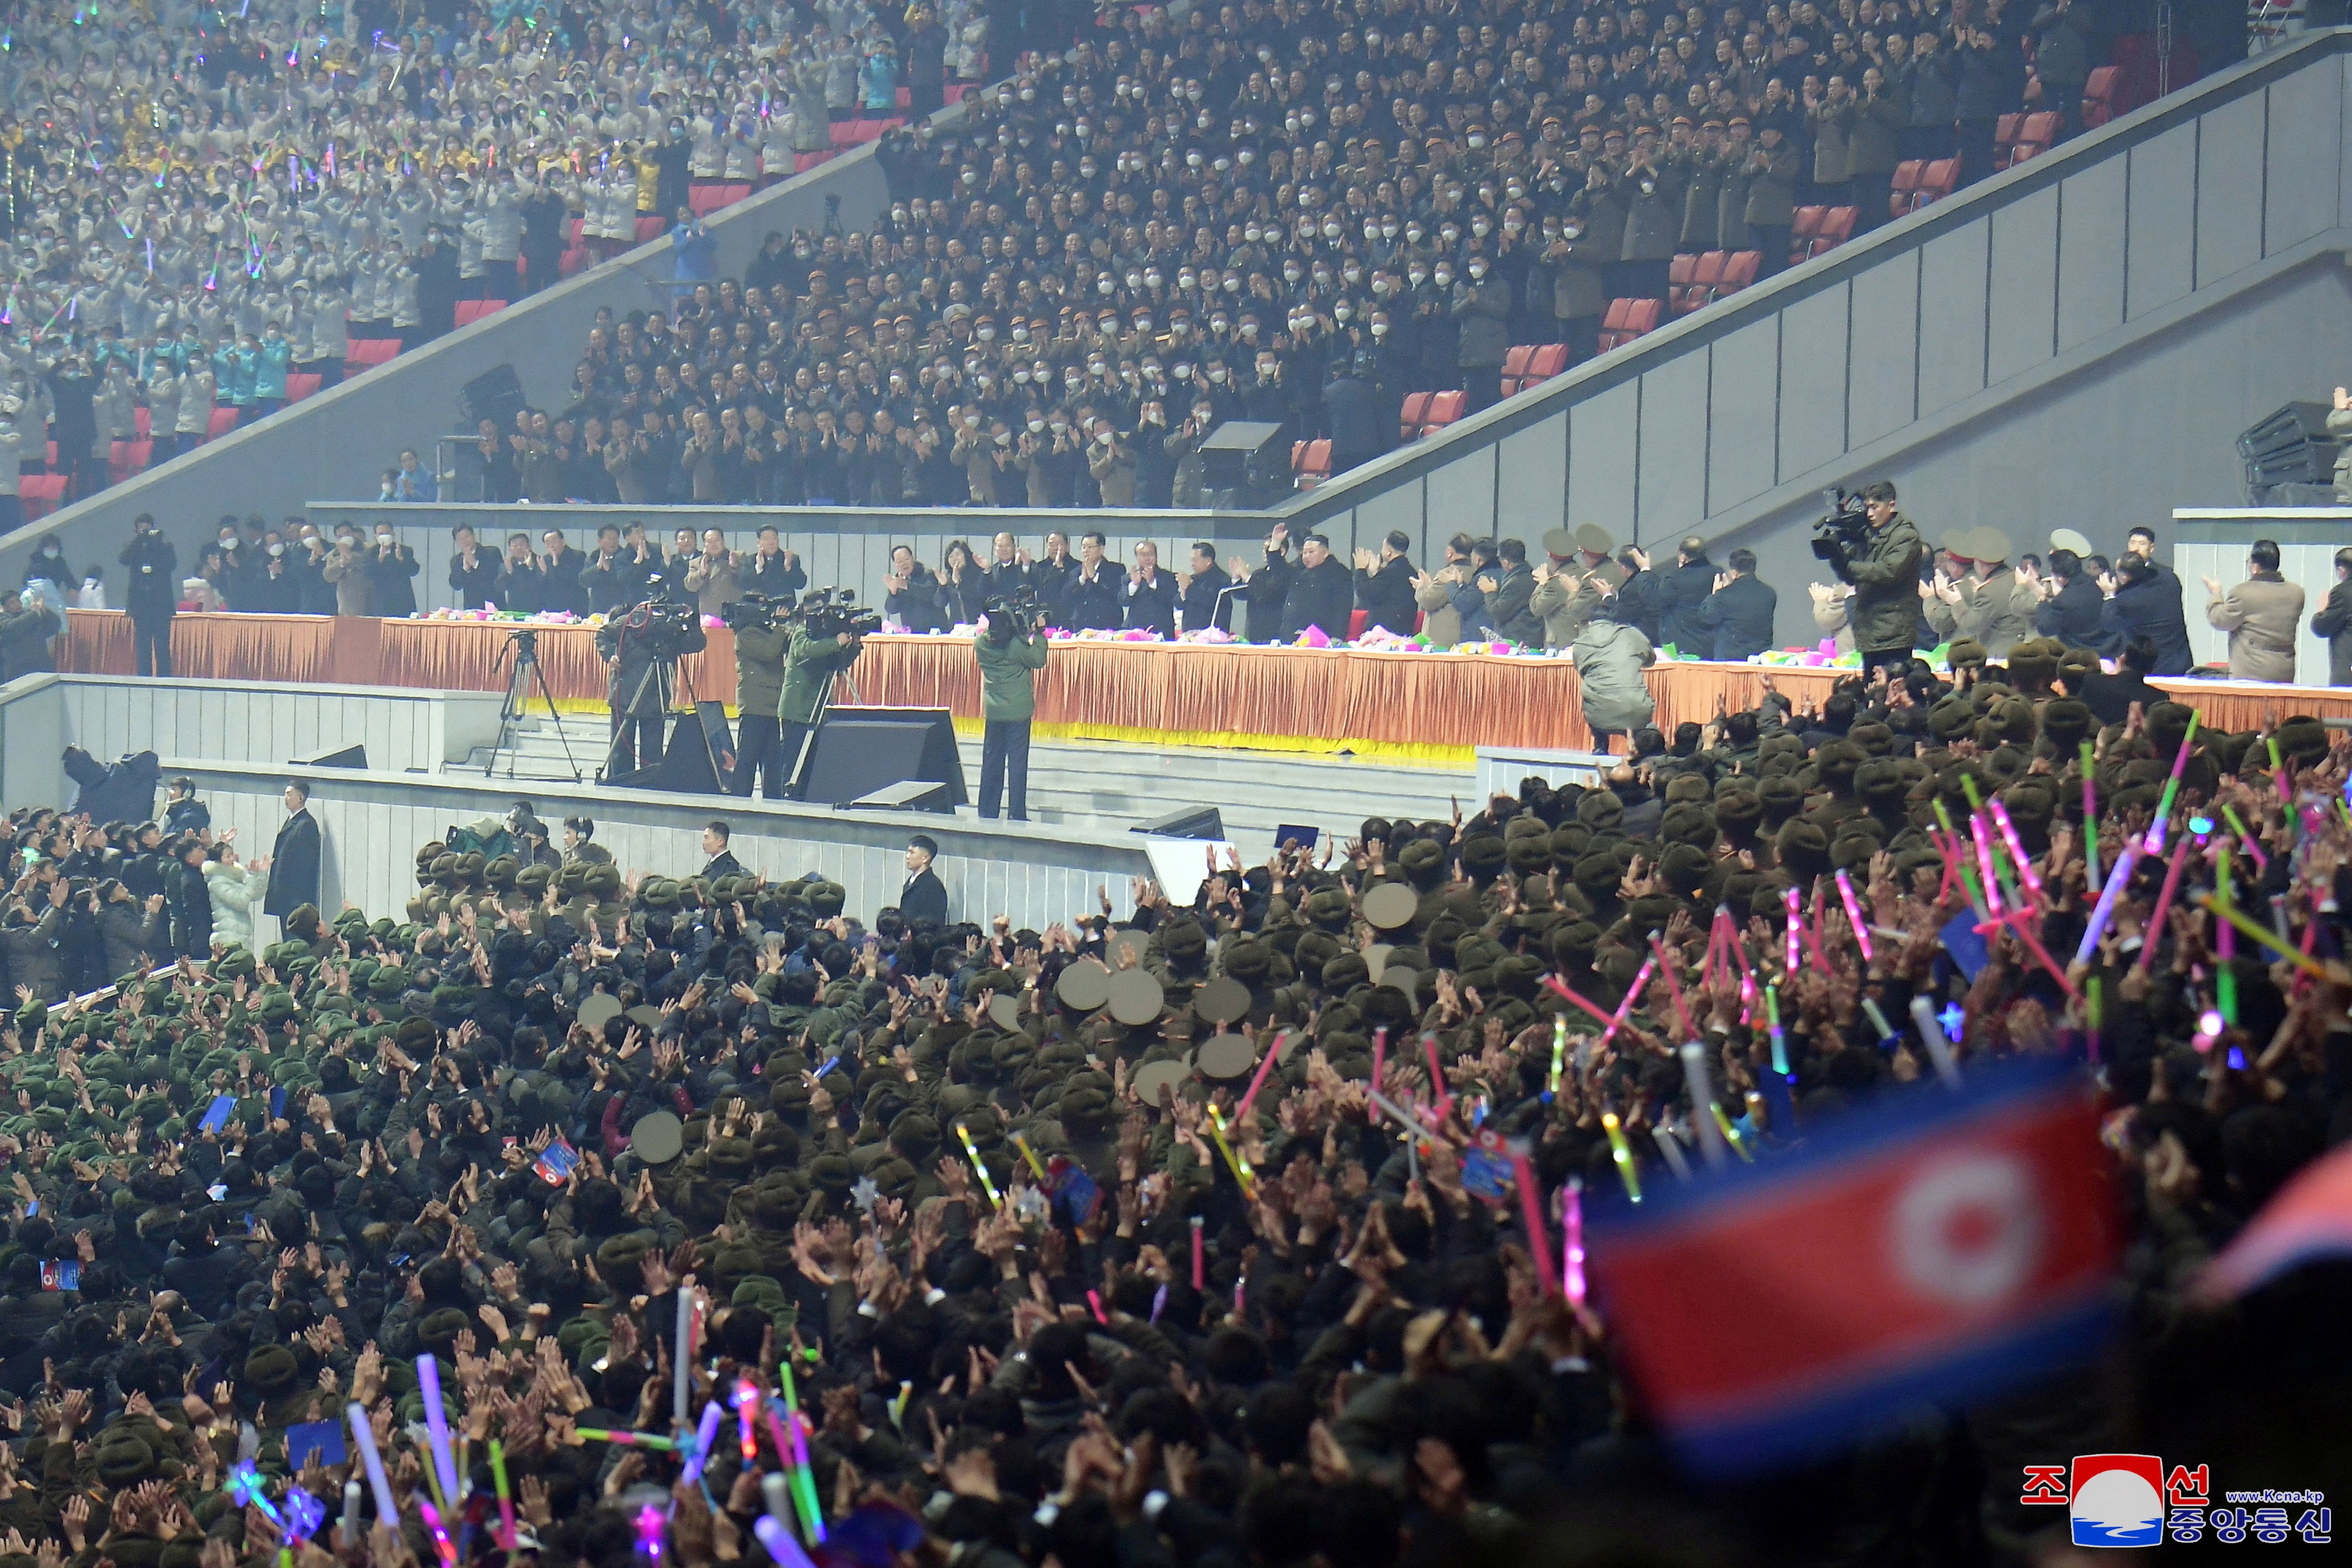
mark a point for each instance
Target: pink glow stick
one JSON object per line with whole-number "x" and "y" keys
{"x": 1984, "y": 863}
{"x": 1437, "y": 1077}
{"x": 1531, "y": 1211}
{"x": 1572, "y": 1235}
{"x": 2016, "y": 849}
{"x": 2155, "y": 927}
{"x": 1379, "y": 1058}
{"x": 1199, "y": 1271}
{"x": 1560, "y": 987}
{"x": 1272, "y": 1052}
{"x": 1788, "y": 900}
{"x": 1673, "y": 985}
{"x": 1632, "y": 993}
{"x": 1853, "y": 913}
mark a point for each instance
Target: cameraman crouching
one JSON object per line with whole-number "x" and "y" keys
{"x": 816, "y": 653}
{"x": 1883, "y": 564}
{"x": 639, "y": 649}
{"x": 761, "y": 644}
{"x": 1011, "y": 649}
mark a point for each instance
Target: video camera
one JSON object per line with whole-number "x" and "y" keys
{"x": 830, "y": 612}
{"x": 671, "y": 627}
{"x": 754, "y": 612}
{"x": 1015, "y": 614}
{"x": 1842, "y": 532}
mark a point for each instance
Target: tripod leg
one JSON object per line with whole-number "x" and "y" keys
{"x": 539, "y": 673}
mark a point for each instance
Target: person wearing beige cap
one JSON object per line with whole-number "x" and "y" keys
{"x": 2069, "y": 538}
{"x": 2261, "y": 616}
{"x": 1994, "y": 605}
{"x": 1571, "y": 584}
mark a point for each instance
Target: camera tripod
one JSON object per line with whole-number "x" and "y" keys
{"x": 522, "y": 648}
{"x": 720, "y": 767}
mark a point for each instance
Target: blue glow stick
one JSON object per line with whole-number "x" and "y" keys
{"x": 2105, "y": 910}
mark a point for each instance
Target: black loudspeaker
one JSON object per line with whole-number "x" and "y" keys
{"x": 1195, "y": 822}
{"x": 858, "y": 750}
{"x": 1244, "y": 455}
{"x": 2291, "y": 446}
{"x": 495, "y": 394}
{"x": 346, "y": 757}
{"x": 700, "y": 753}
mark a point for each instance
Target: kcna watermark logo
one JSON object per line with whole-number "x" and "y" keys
{"x": 2131, "y": 1499}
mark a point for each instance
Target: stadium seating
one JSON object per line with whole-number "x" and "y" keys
{"x": 366, "y": 352}
{"x": 2099, "y": 98}
{"x": 472, "y": 311}
{"x": 125, "y": 458}
{"x": 303, "y": 384}
{"x": 41, "y": 493}
{"x": 1444, "y": 408}
{"x": 1310, "y": 463}
{"x": 1627, "y": 320}
{"x": 1416, "y": 410}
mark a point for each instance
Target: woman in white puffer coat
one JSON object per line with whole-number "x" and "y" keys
{"x": 238, "y": 889}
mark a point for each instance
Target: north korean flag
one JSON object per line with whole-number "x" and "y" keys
{"x": 1940, "y": 1247}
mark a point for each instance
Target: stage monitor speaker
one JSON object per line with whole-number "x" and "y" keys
{"x": 496, "y": 394}
{"x": 344, "y": 757}
{"x": 858, "y": 750}
{"x": 2291, "y": 446}
{"x": 1195, "y": 822}
{"x": 1245, "y": 455}
{"x": 910, "y": 795}
{"x": 699, "y": 756}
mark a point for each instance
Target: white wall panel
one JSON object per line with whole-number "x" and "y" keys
{"x": 2091, "y": 236}
{"x": 1952, "y": 316}
{"x": 1815, "y": 354}
{"x": 2023, "y": 305}
{"x": 2305, "y": 147}
{"x": 2229, "y": 188}
{"x": 2160, "y": 255}
{"x": 1740, "y": 435}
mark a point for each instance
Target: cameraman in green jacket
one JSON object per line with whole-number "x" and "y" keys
{"x": 1011, "y": 650}
{"x": 810, "y": 664}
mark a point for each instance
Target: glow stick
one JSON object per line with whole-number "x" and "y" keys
{"x": 2269, "y": 939}
{"x": 1241, "y": 1112}
{"x": 1853, "y": 913}
{"x": 2285, "y": 778}
{"x": 437, "y": 1427}
{"x": 1984, "y": 863}
{"x": 1632, "y": 994}
{"x": 1789, "y": 901}
{"x": 2092, "y": 1011}
{"x": 1711, "y": 1141}
{"x": 1379, "y": 1059}
{"x": 706, "y": 1433}
{"x": 628, "y": 1439}
{"x": 1200, "y": 1274}
{"x": 2105, "y": 910}
{"x": 363, "y": 1436}
{"x": 682, "y": 1362}
{"x": 1671, "y": 1148}
{"x": 1558, "y": 1053}
{"x": 1523, "y": 1171}
{"x": 1437, "y": 1077}
{"x": 2164, "y": 806}
{"x": 980, "y": 1166}
{"x": 1021, "y": 1142}
{"x": 2090, "y": 815}
{"x": 747, "y": 1402}
{"x": 2016, "y": 848}
{"x": 2262, "y": 861}
{"x": 1938, "y": 1044}
{"x": 348, "y": 1528}
{"x": 442, "y": 1545}
{"x": 1779, "y": 1040}
{"x": 1730, "y": 1133}
{"x": 1240, "y": 1166}
{"x": 506, "y": 1498}
{"x": 1878, "y": 1019}
{"x": 774, "y": 1490}
{"x": 2155, "y": 928}
{"x": 1560, "y": 988}
{"x": 1571, "y": 1235}
{"x": 1622, "y": 1153}
{"x": 785, "y": 1552}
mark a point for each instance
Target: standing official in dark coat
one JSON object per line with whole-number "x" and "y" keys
{"x": 924, "y": 897}
{"x": 1148, "y": 596}
{"x": 2073, "y": 613}
{"x": 1318, "y": 591}
{"x": 2333, "y": 623}
{"x": 2144, "y": 601}
{"x": 1384, "y": 585}
{"x": 1738, "y": 614}
{"x": 1205, "y": 600}
{"x": 1680, "y": 592}
{"x": 294, "y": 860}
{"x": 152, "y": 597}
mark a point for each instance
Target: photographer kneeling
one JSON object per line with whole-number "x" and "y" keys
{"x": 640, "y": 650}
{"x": 761, "y": 642}
{"x": 1877, "y": 550}
{"x": 1011, "y": 649}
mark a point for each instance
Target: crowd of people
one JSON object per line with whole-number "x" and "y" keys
{"x": 196, "y": 199}
{"x": 523, "y": 1125}
{"x": 1293, "y": 212}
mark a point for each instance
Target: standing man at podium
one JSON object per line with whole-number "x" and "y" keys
{"x": 2262, "y": 616}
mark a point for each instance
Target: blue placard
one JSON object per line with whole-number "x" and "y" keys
{"x": 321, "y": 1438}
{"x": 217, "y": 1116}
{"x": 1964, "y": 945}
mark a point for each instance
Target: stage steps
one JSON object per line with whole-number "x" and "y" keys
{"x": 1097, "y": 785}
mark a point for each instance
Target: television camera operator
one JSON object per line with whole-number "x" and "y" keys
{"x": 762, "y": 637}
{"x": 1011, "y": 650}
{"x": 641, "y": 649}
{"x": 1870, "y": 544}
{"x": 827, "y": 634}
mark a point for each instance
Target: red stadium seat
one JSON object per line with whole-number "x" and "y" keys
{"x": 650, "y": 225}
{"x": 1906, "y": 186}
{"x": 2099, "y": 98}
{"x": 1706, "y": 272}
{"x": 139, "y": 422}
{"x": 128, "y": 457}
{"x": 1836, "y": 228}
{"x": 736, "y": 192}
{"x": 50, "y": 458}
{"x": 804, "y": 162}
{"x": 572, "y": 230}
{"x": 1357, "y": 620}
{"x": 575, "y": 261}
{"x": 364, "y": 353}
{"x": 302, "y": 384}
{"x": 41, "y": 493}
{"x": 1445, "y": 407}
{"x": 224, "y": 421}
{"x": 1315, "y": 466}
{"x": 2004, "y": 132}
{"x": 1416, "y": 411}
{"x": 1807, "y": 223}
{"x": 1549, "y": 361}
{"x": 472, "y": 311}
{"x": 704, "y": 200}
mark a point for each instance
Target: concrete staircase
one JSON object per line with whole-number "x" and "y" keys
{"x": 1102, "y": 785}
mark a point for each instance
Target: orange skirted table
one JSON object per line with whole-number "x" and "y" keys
{"x": 1433, "y": 708}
